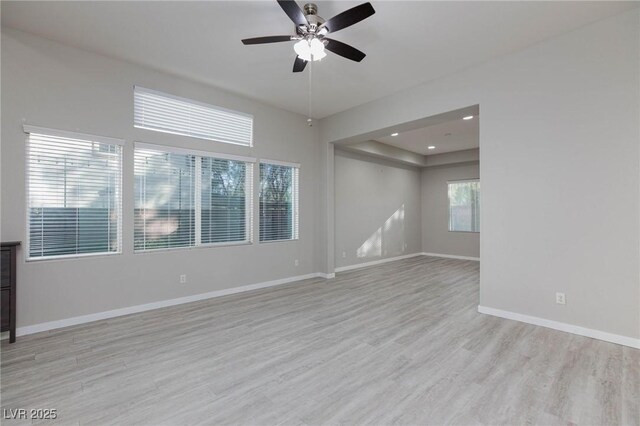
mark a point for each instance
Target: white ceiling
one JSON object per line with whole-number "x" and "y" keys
{"x": 406, "y": 43}
{"x": 454, "y": 135}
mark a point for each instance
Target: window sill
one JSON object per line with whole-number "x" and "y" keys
{"x": 279, "y": 241}
{"x": 202, "y": 246}
{"x": 70, "y": 257}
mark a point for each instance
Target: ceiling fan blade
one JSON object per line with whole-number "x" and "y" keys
{"x": 269, "y": 39}
{"x": 344, "y": 50}
{"x": 349, "y": 17}
{"x": 294, "y": 12}
{"x": 299, "y": 64}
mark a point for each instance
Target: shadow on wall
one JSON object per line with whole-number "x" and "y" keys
{"x": 388, "y": 240}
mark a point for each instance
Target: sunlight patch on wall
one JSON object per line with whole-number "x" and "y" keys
{"x": 388, "y": 240}
{"x": 372, "y": 247}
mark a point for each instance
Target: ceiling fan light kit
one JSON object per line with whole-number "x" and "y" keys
{"x": 311, "y": 32}
{"x": 310, "y": 50}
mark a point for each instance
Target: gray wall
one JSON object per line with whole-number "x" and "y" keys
{"x": 51, "y": 85}
{"x": 560, "y": 167}
{"x": 436, "y": 237}
{"x": 559, "y": 161}
{"x": 377, "y": 209}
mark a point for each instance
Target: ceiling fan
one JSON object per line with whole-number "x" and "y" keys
{"x": 311, "y": 32}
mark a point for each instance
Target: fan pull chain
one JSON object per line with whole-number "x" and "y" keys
{"x": 309, "y": 120}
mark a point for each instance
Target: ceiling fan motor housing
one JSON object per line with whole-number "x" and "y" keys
{"x": 310, "y": 13}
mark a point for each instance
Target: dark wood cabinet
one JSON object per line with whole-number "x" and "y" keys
{"x": 8, "y": 288}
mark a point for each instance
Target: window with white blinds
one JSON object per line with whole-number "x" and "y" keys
{"x": 226, "y": 200}
{"x": 464, "y": 205}
{"x": 164, "y": 215}
{"x": 278, "y": 202}
{"x": 187, "y": 199}
{"x": 74, "y": 194}
{"x": 170, "y": 114}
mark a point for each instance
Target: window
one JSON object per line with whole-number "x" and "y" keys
{"x": 74, "y": 194}
{"x": 169, "y": 114}
{"x": 187, "y": 199}
{"x": 278, "y": 201}
{"x": 165, "y": 185}
{"x": 226, "y": 200}
{"x": 464, "y": 206}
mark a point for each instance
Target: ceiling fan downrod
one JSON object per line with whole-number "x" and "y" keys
{"x": 314, "y": 21}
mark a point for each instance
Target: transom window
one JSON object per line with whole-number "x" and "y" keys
{"x": 171, "y": 114}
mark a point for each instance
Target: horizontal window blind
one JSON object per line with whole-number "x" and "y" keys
{"x": 278, "y": 202}
{"x": 464, "y": 206}
{"x": 187, "y": 200}
{"x": 225, "y": 200}
{"x": 165, "y": 204}
{"x": 165, "y": 113}
{"x": 74, "y": 193}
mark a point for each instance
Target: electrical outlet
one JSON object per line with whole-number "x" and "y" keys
{"x": 344, "y": 254}
{"x": 183, "y": 279}
{"x": 561, "y": 299}
{"x": 296, "y": 262}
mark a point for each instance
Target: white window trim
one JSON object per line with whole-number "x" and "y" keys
{"x": 198, "y": 200}
{"x": 296, "y": 199}
{"x": 67, "y": 256}
{"x": 280, "y": 163}
{"x": 197, "y": 153}
{"x": 470, "y": 180}
{"x": 28, "y": 129}
{"x": 463, "y": 180}
{"x": 200, "y": 247}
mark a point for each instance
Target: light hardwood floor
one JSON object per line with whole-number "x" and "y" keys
{"x": 400, "y": 343}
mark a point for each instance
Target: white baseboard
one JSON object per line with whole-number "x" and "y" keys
{"x": 561, "y": 326}
{"x": 326, "y": 276}
{"x": 376, "y": 262}
{"x": 452, "y": 256}
{"x": 52, "y": 325}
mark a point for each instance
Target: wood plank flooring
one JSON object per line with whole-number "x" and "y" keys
{"x": 400, "y": 343}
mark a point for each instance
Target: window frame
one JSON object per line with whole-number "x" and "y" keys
{"x": 295, "y": 201}
{"x": 45, "y": 131}
{"x": 198, "y": 154}
{"x": 140, "y": 89}
{"x": 449, "y": 182}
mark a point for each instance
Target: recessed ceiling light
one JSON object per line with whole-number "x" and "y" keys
{"x": 431, "y": 147}
{"x": 394, "y": 134}
{"x": 468, "y": 117}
